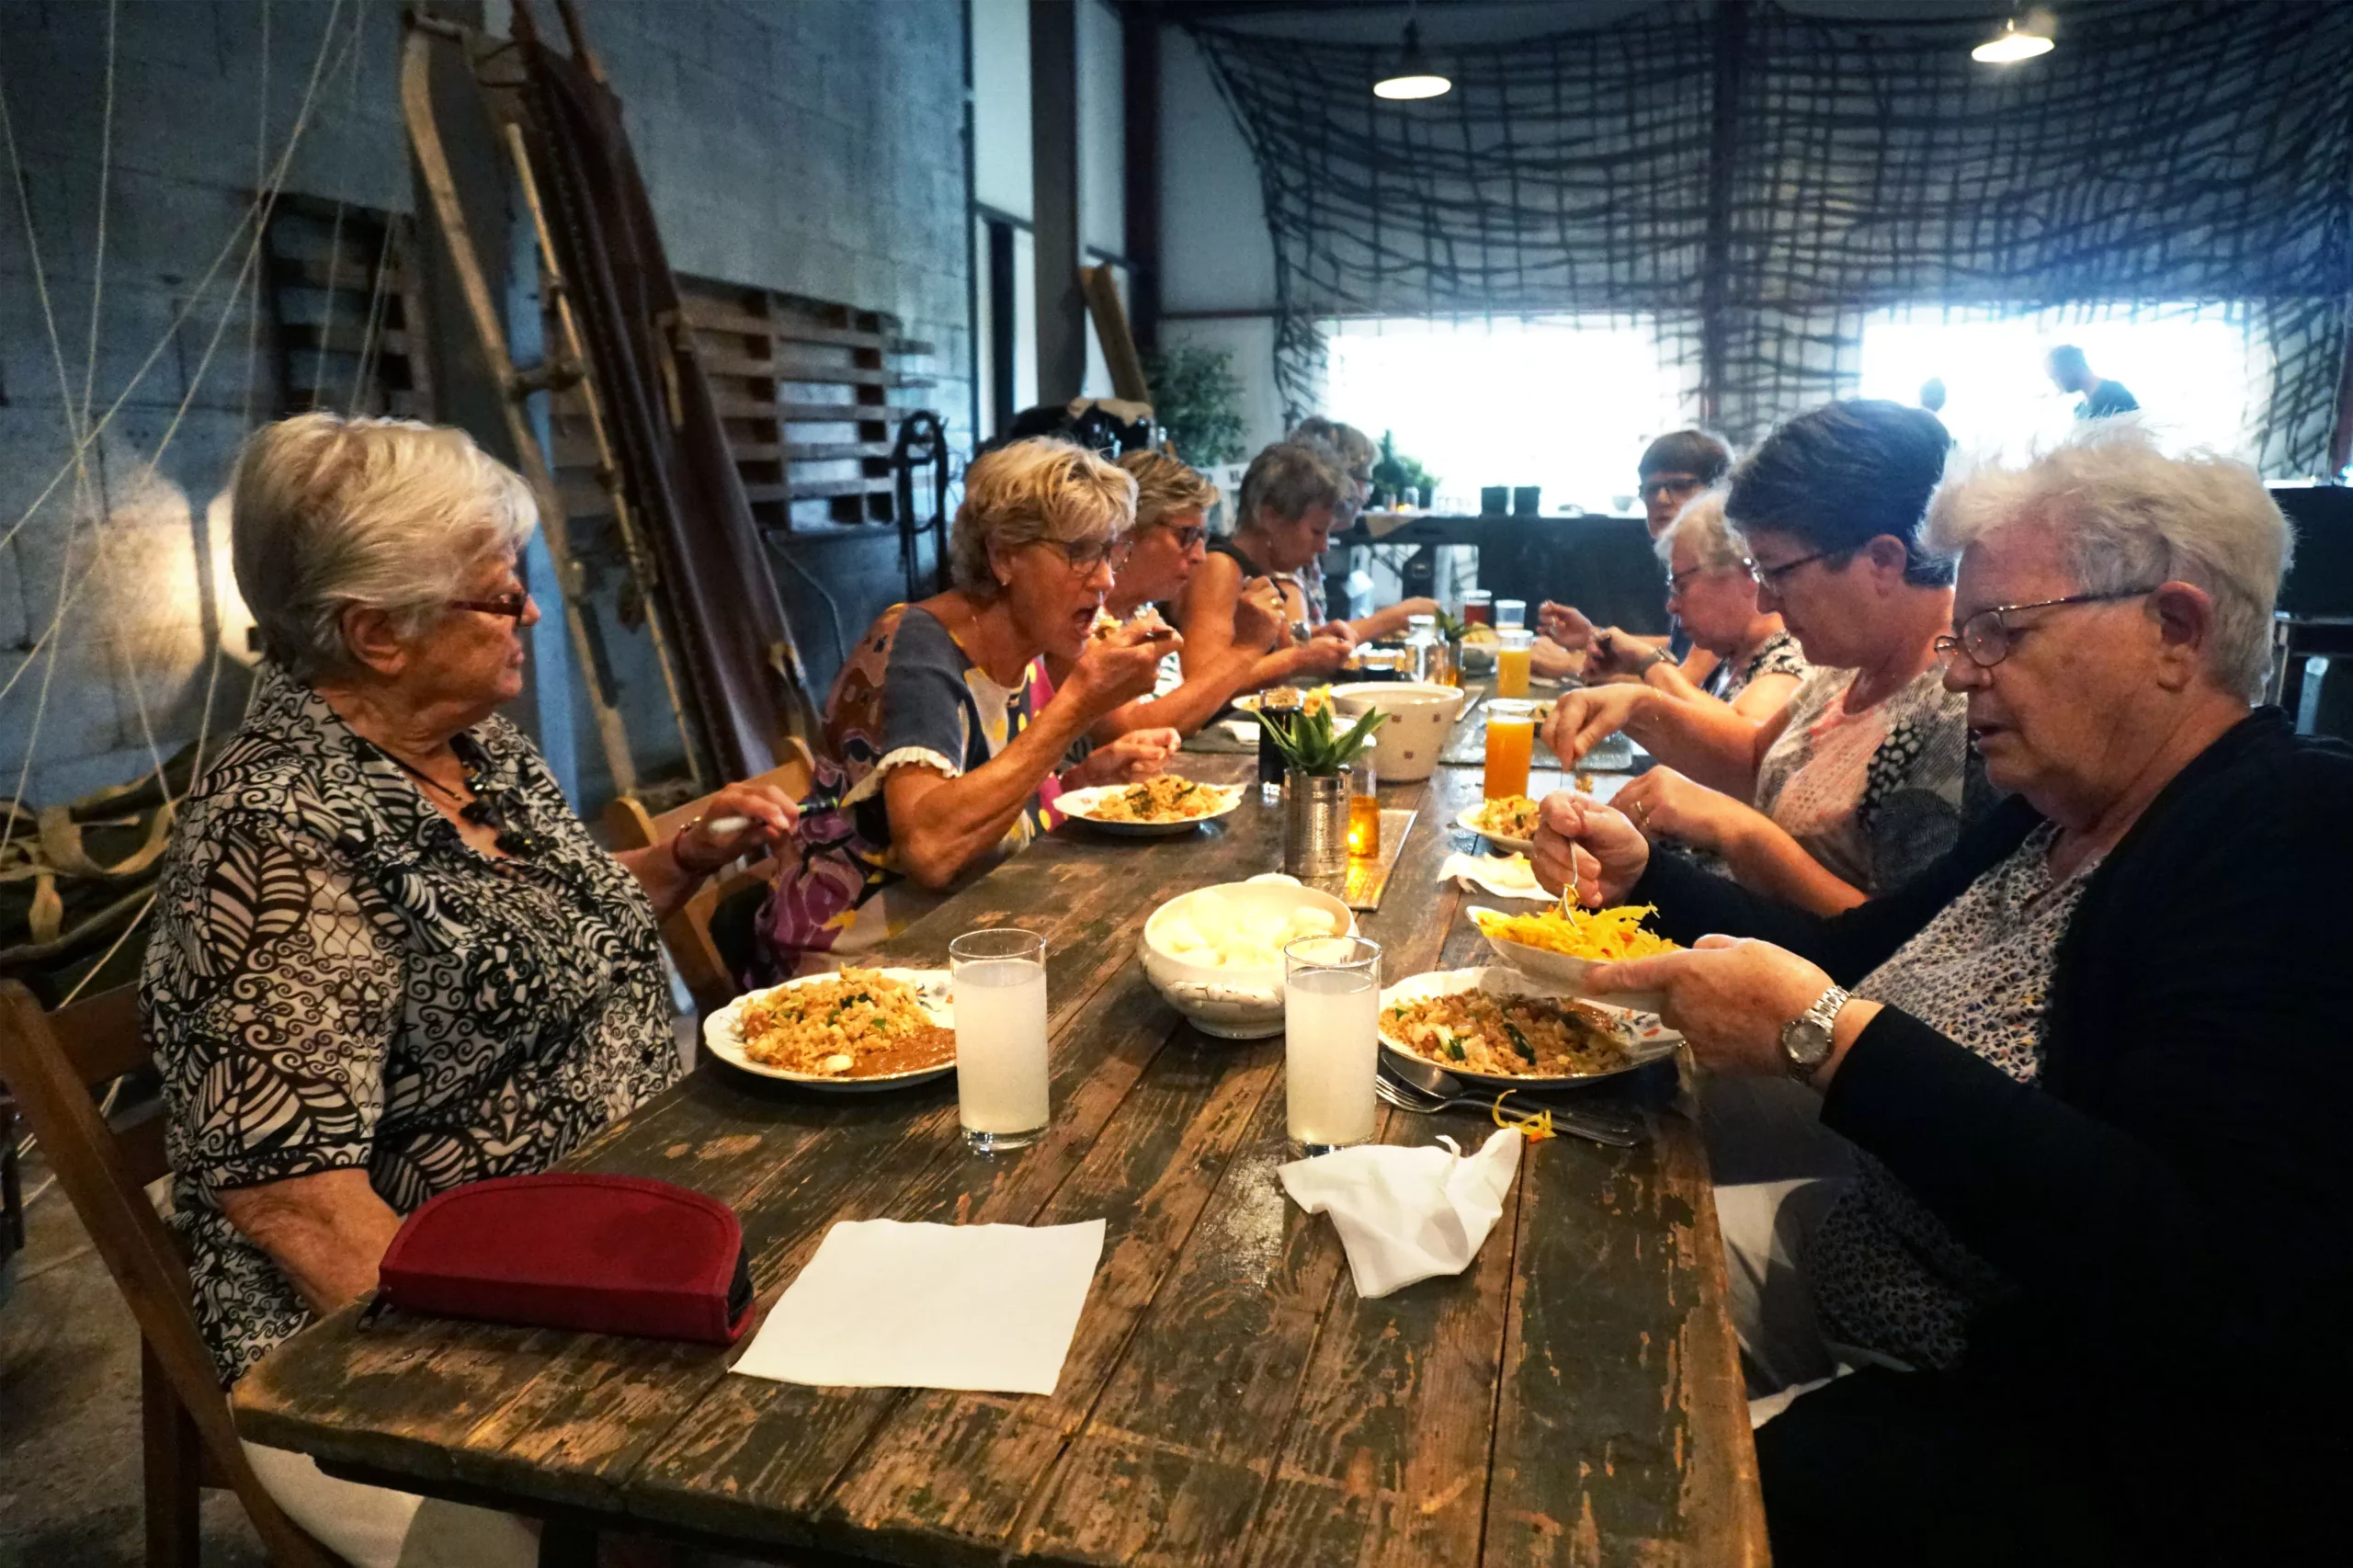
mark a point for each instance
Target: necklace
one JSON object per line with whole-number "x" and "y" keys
{"x": 483, "y": 811}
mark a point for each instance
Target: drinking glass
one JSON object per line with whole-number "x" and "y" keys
{"x": 1510, "y": 612}
{"x": 1364, "y": 804}
{"x": 1514, "y": 650}
{"x": 1478, "y": 607}
{"x": 1511, "y": 740}
{"x": 999, "y": 982}
{"x": 1330, "y": 1041}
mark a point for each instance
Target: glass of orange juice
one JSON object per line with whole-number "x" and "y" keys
{"x": 1512, "y": 658}
{"x": 1511, "y": 738}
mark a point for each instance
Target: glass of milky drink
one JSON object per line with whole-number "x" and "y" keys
{"x": 1330, "y": 1041}
{"x": 999, "y": 980}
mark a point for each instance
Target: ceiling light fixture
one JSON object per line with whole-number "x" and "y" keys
{"x": 2019, "y": 39}
{"x": 1414, "y": 78}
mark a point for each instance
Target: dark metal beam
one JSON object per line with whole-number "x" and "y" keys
{"x": 1053, "y": 172}
{"x": 1139, "y": 55}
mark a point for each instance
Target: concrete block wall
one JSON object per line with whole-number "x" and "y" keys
{"x": 814, "y": 146}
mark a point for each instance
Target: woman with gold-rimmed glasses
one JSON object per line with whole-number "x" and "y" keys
{"x": 388, "y": 958}
{"x": 944, "y": 737}
{"x": 2093, "y": 1061}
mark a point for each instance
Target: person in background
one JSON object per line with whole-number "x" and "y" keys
{"x": 388, "y": 960}
{"x": 1675, "y": 468}
{"x": 1355, "y": 453}
{"x": 1283, "y": 520}
{"x": 2101, "y": 397}
{"x": 1167, "y": 545}
{"x": 1710, "y": 592}
{"x": 1857, "y": 782}
{"x": 2093, "y": 1061}
{"x": 941, "y": 740}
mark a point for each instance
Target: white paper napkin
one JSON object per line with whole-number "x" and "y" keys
{"x": 1408, "y": 1214}
{"x": 1244, "y": 731}
{"x": 1505, "y": 876}
{"x": 886, "y": 1304}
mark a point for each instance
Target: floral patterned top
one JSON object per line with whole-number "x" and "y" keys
{"x": 1885, "y": 1272}
{"x": 1777, "y": 655}
{"x": 337, "y": 981}
{"x": 908, "y": 697}
{"x": 1875, "y": 796}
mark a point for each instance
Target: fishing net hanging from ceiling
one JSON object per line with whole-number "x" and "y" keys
{"x": 1756, "y": 184}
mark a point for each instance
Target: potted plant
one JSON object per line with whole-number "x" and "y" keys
{"x": 1197, "y": 399}
{"x": 1316, "y": 758}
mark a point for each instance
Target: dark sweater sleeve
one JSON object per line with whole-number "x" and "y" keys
{"x": 2199, "y": 1212}
{"x": 1694, "y": 902}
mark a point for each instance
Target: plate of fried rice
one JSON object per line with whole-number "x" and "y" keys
{"x": 1508, "y": 821}
{"x": 1152, "y": 808}
{"x": 1501, "y": 1029}
{"x": 857, "y": 1030}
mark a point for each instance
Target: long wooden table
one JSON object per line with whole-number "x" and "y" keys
{"x": 1573, "y": 1398}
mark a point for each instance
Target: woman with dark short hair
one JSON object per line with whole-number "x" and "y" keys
{"x": 1856, "y": 784}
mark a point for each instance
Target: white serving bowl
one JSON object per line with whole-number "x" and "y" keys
{"x": 1420, "y": 717}
{"x": 1235, "y": 1003}
{"x": 1564, "y": 970}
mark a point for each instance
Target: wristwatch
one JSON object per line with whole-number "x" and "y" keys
{"x": 1805, "y": 1040}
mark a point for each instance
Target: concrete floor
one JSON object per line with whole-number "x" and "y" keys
{"x": 69, "y": 1410}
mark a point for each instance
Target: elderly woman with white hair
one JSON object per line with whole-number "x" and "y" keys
{"x": 1755, "y": 665}
{"x": 388, "y": 958}
{"x": 945, "y": 739}
{"x": 2094, "y": 1061}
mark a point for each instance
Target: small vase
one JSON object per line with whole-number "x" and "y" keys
{"x": 1315, "y": 824}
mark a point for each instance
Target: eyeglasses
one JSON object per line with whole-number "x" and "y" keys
{"x": 1986, "y": 637}
{"x": 1669, "y": 484}
{"x": 1773, "y": 576}
{"x": 1083, "y": 556}
{"x": 1189, "y": 536}
{"x": 1678, "y": 581}
{"x": 511, "y": 606}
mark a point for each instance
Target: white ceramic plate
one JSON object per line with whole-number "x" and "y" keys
{"x": 1248, "y": 701}
{"x": 1468, "y": 822}
{"x": 723, "y": 1039}
{"x": 1645, "y": 1039}
{"x": 1081, "y": 804}
{"x": 1562, "y": 970}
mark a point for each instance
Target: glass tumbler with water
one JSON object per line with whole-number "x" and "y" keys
{"x": 1330, "y": 1041}
{"x": 999, "y": 979}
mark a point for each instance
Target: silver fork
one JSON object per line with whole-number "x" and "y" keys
{"x": 1584, "y": 1124}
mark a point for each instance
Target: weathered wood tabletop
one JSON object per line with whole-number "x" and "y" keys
{"x": 1573, "y": 1397}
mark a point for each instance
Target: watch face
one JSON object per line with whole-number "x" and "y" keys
{"x": 1806, "y": 1042}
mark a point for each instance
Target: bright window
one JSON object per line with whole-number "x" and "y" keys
{"x": 2195, "y": 371}
{"x": 1563, "y": 401}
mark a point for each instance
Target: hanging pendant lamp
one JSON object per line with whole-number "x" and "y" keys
{"x": 2019, "y": 39}
{"x": 1414, "y": 77}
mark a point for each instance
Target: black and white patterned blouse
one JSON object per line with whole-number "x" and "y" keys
{"x": 339, "y": 981}
{"x": 1886, "y": 1274}
{"x": 1777, "y": 655}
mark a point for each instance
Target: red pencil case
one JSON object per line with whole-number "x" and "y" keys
{"x": 600, "y": 1254}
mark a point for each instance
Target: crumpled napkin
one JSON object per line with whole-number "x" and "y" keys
{"x": 1408, "y": 1214}
{"x": 1505, "y": 876}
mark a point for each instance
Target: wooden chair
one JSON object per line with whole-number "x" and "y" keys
{"x": 53, "y": 1062}
{"x": 630, "y": 826}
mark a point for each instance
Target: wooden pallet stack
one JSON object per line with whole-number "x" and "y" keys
{"x": 804, "y": 389}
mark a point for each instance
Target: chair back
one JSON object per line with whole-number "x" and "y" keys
{"x": 52, "y": 1064}
{"x": 686, "y": 933}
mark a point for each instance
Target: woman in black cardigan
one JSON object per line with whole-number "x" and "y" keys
{"x": 2116, "y": 1159}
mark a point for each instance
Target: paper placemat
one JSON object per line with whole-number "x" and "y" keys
{"x": 888, "y": 1304}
